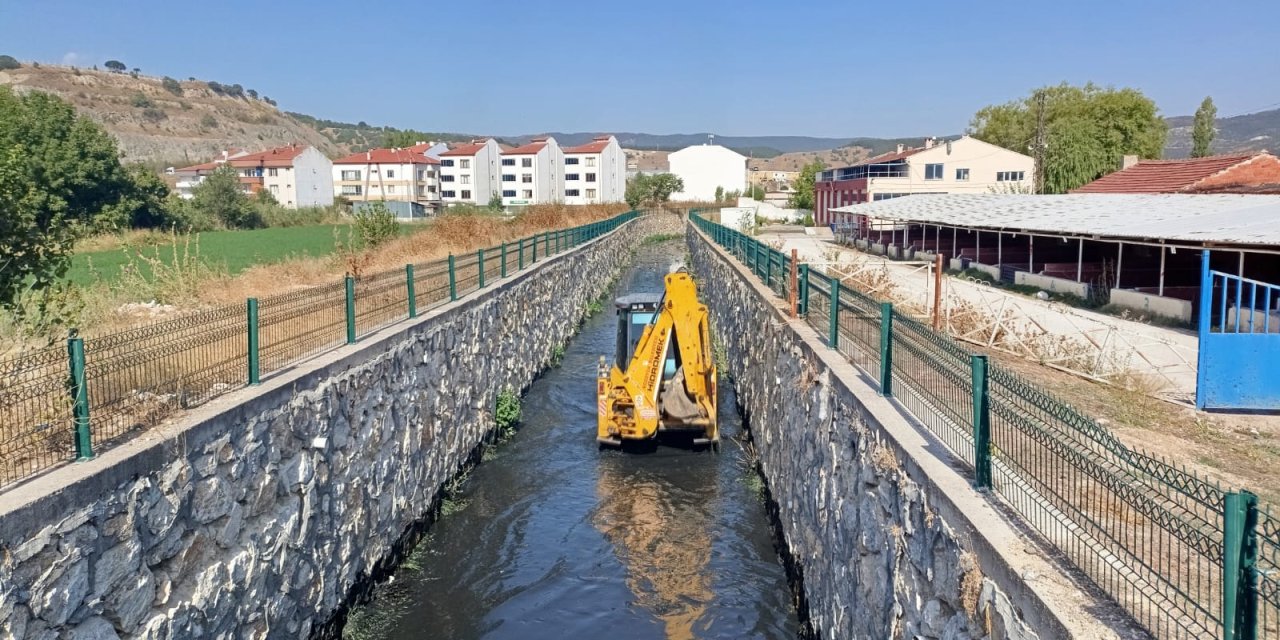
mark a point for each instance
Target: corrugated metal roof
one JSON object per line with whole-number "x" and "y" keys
{"x": 1221, "y": 218}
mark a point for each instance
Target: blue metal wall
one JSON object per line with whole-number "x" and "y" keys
{"x": 1239, "y": 354}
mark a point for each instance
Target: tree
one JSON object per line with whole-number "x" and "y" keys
{"x": 215, "y": 87}
{"x": 115, "y": 66}
{"x": 171, "y": 85}
{"x": 1084, "y": 131}
{"x": 1203, "y": 132}
{"x": 756, "y": 192}
{"x": 719, "y": 194}
{"x": 221, "y": 197}
{"x": 495, "y": 201}
{"x": 652, "y": 189}
{"x": 9, "y": 62}
{"x": 802, "y": 196}
{"x": 401, "y": 139}
{"x": 253, "y": 93}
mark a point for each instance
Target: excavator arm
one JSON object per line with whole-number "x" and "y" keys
{"x": 669, "y": 383}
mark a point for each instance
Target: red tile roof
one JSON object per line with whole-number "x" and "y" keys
{"x": 595, "y": 146}
{"x": 892, "y": 156}
{"x": 1162, "y": 176}
{"x": 469, "y": 149}
{"x": 203, "y": 166}
{"x": 278, "y": 157}
{"x": 387, "y": 156}
{"x": 527, "y": 150}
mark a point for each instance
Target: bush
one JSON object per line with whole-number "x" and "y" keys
{"x": 171, "y": 85}
{"x": 9, "y": 62}
{"x": 215, "y": 87}
{"x": 807, "y": 220}
{"x": 376, "y": 224}
{"x": 507, "y": 412}
{"x": 140, "y": 101}
{"x": 208, "y": 121}
{"x": 153, "y": 115}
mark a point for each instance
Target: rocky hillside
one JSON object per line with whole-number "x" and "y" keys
{"x": 170, "y": 123}
{"x": 1249, "y": 132}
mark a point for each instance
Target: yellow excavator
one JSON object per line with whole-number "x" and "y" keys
{"x": 663, "y": 382}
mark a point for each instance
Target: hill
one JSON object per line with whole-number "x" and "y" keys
{"x": 186, "y": 123}
{"x": 1249, "y": 132}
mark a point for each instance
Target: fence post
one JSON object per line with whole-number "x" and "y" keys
{"x": 833, "y": 312}
{"x": 255, "y": 364}
{"x": 350, "y": 283}
{"x": 886, "y": 349}
{"x": 1239, "y": 555}
{"x": 520, "y": 255}
{"x": 981, "y": 423}
{"x": 793, "y": 293}
{"x": 504, "y": 260}
{"x": 79, "y": 390}
{"x": 768, "y": 267}
{"x": 453, "y": 280}
{"x": 409, "y": 288}
{"x": 480, "y": 268}
{"x": 804, "y": 289}
{"x": 535, "y": 247}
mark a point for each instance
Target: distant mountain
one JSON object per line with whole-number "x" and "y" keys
{"x": 762, "y": 145}
{"x": 1249, "y": 132}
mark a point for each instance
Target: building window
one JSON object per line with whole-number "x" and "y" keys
{"x": 446, "y": 162}
{"x": 391, "y": 189}
{"x": 526, "y": 162}
{"x": 508, "y": 162}
{"x": 591, "y": 162}
{"x": 591, "y": 177}
{"x": 350, "y": 175}
{"x": 464, "y": 179}
{"x": 347, "y": 190}
{"x": 570, "y": 193}
{"x": 509, "y": 193}
{"x": 591, "y": 193}
{"x": 464, "y": 164}
{"x": 571, "y": 161}
{"x": 570, "y": 176}
{"x": 448, "y": 194}
{"x": 466, "y": 195}
{"x": 962, "y": 174}
{"x": 933, "y": 172}
{"x": 273, "y": 172}
{"x": 528, "y": 194}
{"x": 446, "y": 178}
{"x": 508, "y": 177}
{"x": 391, "y": 173}
{"x": 1010, "y": 176}
{"x": 526, "y": 178}
{"x": 431, "y": 188}
{"x": 422, "y": 175}
{"x": 275, "y": 189}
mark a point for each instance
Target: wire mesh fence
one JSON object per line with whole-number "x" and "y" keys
{"x": 65, "y": 401}
{"x": 1183, "y": 556}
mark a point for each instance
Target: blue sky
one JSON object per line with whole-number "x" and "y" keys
{"x": 826, "y": 68}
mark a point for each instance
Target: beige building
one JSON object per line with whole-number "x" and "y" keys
{"x": 391, "y": 175}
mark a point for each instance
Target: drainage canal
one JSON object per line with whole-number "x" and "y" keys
{"x": 551, "y": 538}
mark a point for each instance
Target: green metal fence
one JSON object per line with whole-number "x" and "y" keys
{"x": 1184, "y": 556}
{"x": 68, "y": 401}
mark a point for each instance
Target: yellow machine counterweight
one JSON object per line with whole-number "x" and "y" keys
{"x": 663, "y": 380}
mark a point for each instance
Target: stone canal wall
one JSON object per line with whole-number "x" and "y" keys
{"x": 890, "y": 541}
{"x": 256, "y": 515}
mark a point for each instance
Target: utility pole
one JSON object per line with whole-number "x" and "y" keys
{"x": 1037, "y": 150}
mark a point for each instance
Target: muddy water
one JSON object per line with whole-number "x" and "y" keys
{"x": 552, "y": 538}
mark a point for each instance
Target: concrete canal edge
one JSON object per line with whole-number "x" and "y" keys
{"x": 267, "y": 511}
{"x": 888, "y": 538}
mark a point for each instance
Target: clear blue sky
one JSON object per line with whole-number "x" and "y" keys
{"x": 827, "y": 68}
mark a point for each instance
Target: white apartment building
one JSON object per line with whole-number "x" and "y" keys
{"x": 296, "y": 175}
{"x": 595, "y": 172}
{"x": 406, "y": 176}
{"x": 469, "y": 173}
{"x": 705, "y": 167}
{"x": 533, "y": 173}
{"x": 965, "y": 165}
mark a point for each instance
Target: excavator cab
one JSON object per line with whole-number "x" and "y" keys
{"x": 663, "y": 380}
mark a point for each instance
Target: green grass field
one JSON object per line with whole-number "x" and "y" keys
{"x": 235, "y": 250}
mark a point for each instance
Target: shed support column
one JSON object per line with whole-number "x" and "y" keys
{"x": 953, "y": 242}
{"x": 1240, "y": 269}
{"x": 977, "y": 246}
{"x": 1160, "y": 287}
{"x": 1080, "y": 262}
{"x": 999, "y": 248}
{"x": 1119, "y": 264}
{"x": 1031, "y": 254}
{"x": 937, "y": 240}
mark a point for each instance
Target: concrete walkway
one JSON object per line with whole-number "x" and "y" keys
{"x": 1087, "y": 343}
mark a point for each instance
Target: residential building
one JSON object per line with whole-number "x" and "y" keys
{"x": 405, "y": 176}
{"x": 772, "y": 178}
{"x": 188, "y": 178}
{"x": 706, "y": 167}
{"x": 1239, "y": 173}
{"x": 965, "y": 165}
{"x": 595, "y": 172}
{"x": 296, "y": 175}
{"x": 533, "y": 173}
{"x": 469, "y": 173}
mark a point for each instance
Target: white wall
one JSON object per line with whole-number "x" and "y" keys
{"x": 705, "y": 167}
{"x": 982, "y": 160}
{"x": 481, "y": 175}
{"x": 308, "y": 183}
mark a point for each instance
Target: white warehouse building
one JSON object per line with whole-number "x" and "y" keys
{"x": 705, "y": 167}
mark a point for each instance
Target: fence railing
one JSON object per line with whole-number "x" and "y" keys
{"x": 64, "y": 403}
{"x": 1185, "y": 557}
